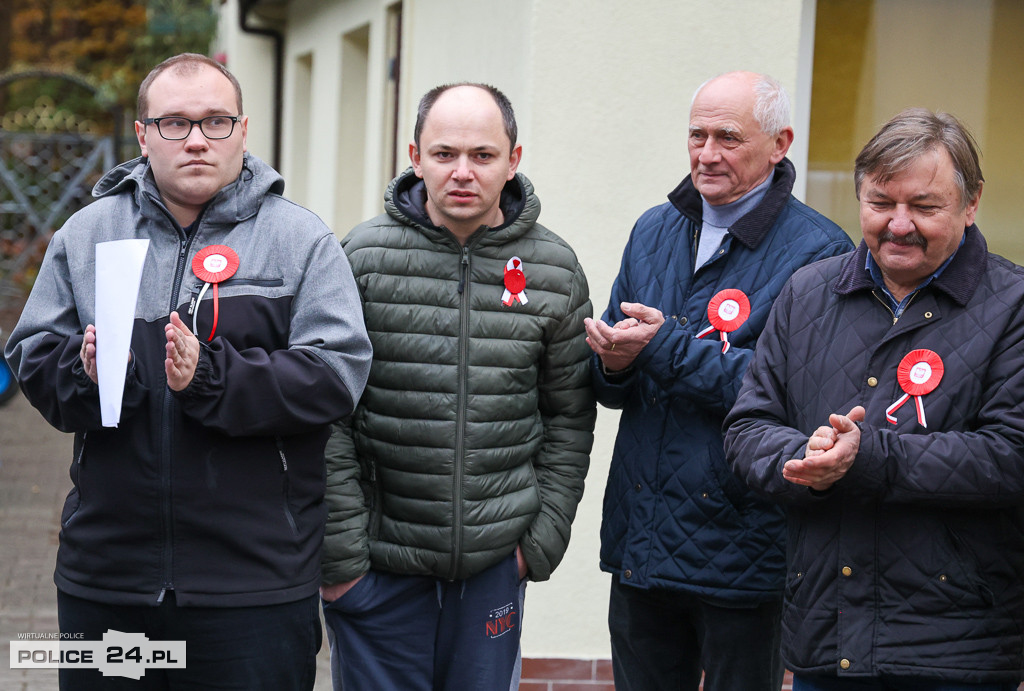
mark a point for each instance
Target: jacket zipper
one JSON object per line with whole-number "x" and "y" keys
{"x": 376, "y": 516}
{"x": 81, "y": 450}
{"x": 287, "y": 486}
{"x": 165, "y": 431}
{"x": 193, "y": 301}
{"x": 79, "y": 457}
{"x": 460, "y": 423}
{"x": 886, "y": 305}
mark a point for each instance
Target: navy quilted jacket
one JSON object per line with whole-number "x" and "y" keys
{"x": 674, "y": 516}
{"x": 913, "y": 563}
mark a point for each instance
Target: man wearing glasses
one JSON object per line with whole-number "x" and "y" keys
{"x": 199, "y": 517}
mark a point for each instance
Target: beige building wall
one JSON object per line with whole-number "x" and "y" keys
{"x": 251, "y": 59}
{"x": 601, "y": 90}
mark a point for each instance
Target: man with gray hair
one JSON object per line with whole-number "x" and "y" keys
{"x": 884, "y": 408}
{"x": 697, "y": 560}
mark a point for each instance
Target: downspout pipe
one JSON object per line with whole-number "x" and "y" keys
{"x": 244, "y": 7}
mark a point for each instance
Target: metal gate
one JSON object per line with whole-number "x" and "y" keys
{"x": 49, "y": 161}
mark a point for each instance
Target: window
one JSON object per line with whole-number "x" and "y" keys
{"x": 872, "y": 58}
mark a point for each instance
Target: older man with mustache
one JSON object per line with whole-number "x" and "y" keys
{"x": 906, "y": 513}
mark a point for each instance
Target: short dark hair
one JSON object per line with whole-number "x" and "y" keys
{"x": 183, "y": 63}
{"x": 504, "y": 105}
{"x": 909, "y": 135}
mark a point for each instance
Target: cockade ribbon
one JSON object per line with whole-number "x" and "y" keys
{"x": 918, "y": 373}
{"x": 213, "y": 264}
{"x": 515, "y": 283}
{"x": 727, "y": 311}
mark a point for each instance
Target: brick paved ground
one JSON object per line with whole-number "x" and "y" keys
{"x": 34, "y": 461}
{"x": 33, "y": 482}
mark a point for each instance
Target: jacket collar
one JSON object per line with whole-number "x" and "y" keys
{"x": 234, "y": 202}
{"x": 959, "y": 280}
{"x": 753, "y": 227}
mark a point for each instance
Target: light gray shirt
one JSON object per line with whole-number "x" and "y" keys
{"x": 718, "y": 219}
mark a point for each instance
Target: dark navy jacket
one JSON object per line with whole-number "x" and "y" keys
{"x": 912, "y": 565}
{"x": 674, "y": 516}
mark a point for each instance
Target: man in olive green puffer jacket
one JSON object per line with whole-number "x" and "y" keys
{"x": 459, "y": 473}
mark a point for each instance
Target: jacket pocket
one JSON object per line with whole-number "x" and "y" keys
{"x": 372, "y": 494}
{"x": 286, "y": 487}
{"x": 244, "y": 281}
{"x": 73, "y": 503}
{"x": 725, "y": 486}
{"x": 797, "y": 564}
{"x": 794, "y": 579}
{"x": 357, "y": 600}
{"x": 368, "y": 482}
{"x": 237, "y": 282}
{"x": 968, "y": 565}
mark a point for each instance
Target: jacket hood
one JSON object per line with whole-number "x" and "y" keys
{"x": 406, "y": 197}
{"x": 234, "y": 202}
{"x": 752, "y": 228}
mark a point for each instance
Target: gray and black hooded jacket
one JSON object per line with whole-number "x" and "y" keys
{"x": 475, "y": 431}
{"x": 216, "y": 491}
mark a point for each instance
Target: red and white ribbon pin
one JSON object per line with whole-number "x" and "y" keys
{"x": 212, "y": 265}
{"x": 515, "y": 282}
{"x": 918, "y": 373}
{"x": 727, "y": 311}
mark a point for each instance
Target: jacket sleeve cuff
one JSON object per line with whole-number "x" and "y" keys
{"x": 345, "y": 570}
{"x": 538, "y": 564}
{"x": 81, "y": 379}
{"x": 201, "y": 378}
{"x": 867, "y": 476}
{"x": 616, "y": 376}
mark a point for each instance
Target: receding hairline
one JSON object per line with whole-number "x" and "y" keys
{"x": 769, "y": 101}
{"x": 500, "y": 100}
{"x": 464, "y": 88}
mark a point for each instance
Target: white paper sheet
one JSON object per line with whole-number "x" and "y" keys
{"x": 118, "y": 274}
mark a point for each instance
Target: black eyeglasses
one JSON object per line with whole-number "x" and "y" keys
{"x": 176, "y": 128}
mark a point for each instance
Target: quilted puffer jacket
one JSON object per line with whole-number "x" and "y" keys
{"x": 475, "y": 430}
{"x": 674, "y": 516}
{"x": 912, "y": 564}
